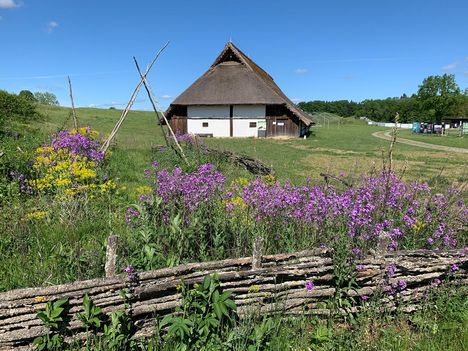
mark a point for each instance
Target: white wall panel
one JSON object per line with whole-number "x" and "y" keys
{"x": 217, "y": 111}
{"x": 218, "y": 121}
{"x": 246, "y": 111}
{"x": 217, "y": 127}
{"x": 241, "y": 127}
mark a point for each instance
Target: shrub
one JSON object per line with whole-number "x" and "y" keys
{"x": 14, "y": 107}
{"x": 27, "y": 95}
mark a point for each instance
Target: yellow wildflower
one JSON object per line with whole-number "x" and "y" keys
{"x": 40, "y": 299}
{"x": 144, "y": 190}
{"x": 269, "y": 180}
{"x": 418, "y": 225}
{"x": 36, "y": 216}
{"x": 242, "y": 182}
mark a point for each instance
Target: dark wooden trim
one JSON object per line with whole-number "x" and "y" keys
{"x": 231, "y": 121}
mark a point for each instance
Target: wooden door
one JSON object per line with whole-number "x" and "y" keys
{"x": 179, "y": 124}
{"x": 281, "y": 126}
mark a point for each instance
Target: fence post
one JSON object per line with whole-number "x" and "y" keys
{"x": 111, "y": 256}
{"x": 257, "y": 253}
{"x": 383, "y": 241}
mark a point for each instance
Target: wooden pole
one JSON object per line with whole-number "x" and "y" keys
{"x": 257, "y": 253}
{"x": 75, "y": 120}
{"x": 111, "y": 256}
{"x": 150, "y": 93}
{"x": 106, "y": 144}
{"x": 154, "y": 104}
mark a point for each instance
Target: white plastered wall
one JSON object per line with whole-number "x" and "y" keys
{"x": 244, "y": 115}
{"x": 217, "y": 121}
{"x": 216, "y": 127}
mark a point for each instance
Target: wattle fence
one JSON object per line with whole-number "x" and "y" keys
{"x": 260, "y": 284}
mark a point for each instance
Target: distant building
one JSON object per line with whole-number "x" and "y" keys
{"x": 236, "y": 98}
{"x": 455, "y": 122}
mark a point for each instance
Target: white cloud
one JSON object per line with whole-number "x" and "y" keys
{"x": 301, "y": 71}
{"x": 165, "y": 97}
{"x": 51, "y": 26}
{"x": 296, "y": 100}
{"x": 8, "y": 4}
{"x": 348, "y": 77}
{"x": 450, "y": 66}
{"x": 91, "y": 105}
{"x": 465, "y": 73}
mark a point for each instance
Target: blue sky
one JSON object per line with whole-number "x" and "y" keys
{"x": 324, "y": 50}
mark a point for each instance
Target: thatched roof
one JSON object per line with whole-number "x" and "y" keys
{"x": 234, "y": 79}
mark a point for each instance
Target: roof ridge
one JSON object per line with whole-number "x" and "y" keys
{"x": 275, "y": 88}
{"x": 258, "y": 74}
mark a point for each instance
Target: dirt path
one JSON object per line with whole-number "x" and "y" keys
{"x": 386, "y": 135}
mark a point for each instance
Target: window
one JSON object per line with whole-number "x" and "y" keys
{"x": 253, "y": 124}
{"x": 205, "y": 124}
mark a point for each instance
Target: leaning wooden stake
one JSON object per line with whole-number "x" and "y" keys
{"x": 393, "y": 141}
{"x": 154, "y": 103}
{"x": 75, "y": 120}
{"x": 133, "y": 97}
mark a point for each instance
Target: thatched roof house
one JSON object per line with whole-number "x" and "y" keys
{"x": 236, "y": 98}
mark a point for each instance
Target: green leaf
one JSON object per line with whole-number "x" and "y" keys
{"x": 217, "y": 310}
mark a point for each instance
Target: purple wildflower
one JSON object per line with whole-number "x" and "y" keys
{"x": 391, "y": 269}
{"x": 130, "y": 215}
{"x": 309, "y": 286}
{"x": 78, "y": 144}
{"x": 131, "y": 273}
{"x": 454, "y": 267}
{"x": 402, "y": 284}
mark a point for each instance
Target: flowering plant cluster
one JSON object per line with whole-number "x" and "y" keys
{"x": 405, "y": 214}
{"x": 70, "y": 163}
{"x": 184, "y": 191}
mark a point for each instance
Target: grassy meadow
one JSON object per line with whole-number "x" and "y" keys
{"x": 451, "y": 139}
{"x": 50, "y": 239}
{"x": 342, "y": 146}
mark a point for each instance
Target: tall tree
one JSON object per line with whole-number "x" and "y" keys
{"x": 46, "y": 98}
{"x": 439, "y": 96}
{"x": 27, "y": 95}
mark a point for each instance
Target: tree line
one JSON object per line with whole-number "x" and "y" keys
{"x": 438, "y": 97}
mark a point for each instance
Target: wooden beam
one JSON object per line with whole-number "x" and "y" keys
{"x": 231, "y": 120}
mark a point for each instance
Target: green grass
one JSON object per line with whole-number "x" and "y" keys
{"x": 347, "y": 147}
{"x": 452, "y": 140}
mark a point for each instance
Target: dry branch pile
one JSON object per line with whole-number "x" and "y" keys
{"x": 251, "y": 164}
{"x": 273, "y": 285}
